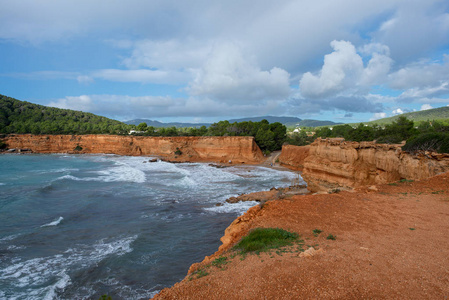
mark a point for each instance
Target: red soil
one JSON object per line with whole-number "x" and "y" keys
{"x": 392, "y": 242}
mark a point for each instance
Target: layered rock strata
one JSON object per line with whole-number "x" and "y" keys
{"x": 333, "y": 164}
{"x": 218, "y": 149}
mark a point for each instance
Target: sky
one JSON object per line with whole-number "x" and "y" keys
{"x": 208, "y": 60}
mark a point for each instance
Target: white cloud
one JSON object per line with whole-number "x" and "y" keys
{"x": 397, "y": 111}
{"x": 82, "y": 103}
{"x": 378, "y": 116}
{"x": 228, "y": 75}
{"x": 85, "y": 79}
{"x": 142, "y": 75}
{"x": 124, "y": 107}
{"x": 426, "y": 107}
{"x": 343, "y": 71}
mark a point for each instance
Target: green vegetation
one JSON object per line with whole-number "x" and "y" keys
{"x": 427, "y": 136}
{"x": 220, "y": 262}
{"x": 3, "y": 145}
{"x": 24, "y": 117}
{"x": 264, "y": 239}
{"x": 433, "y": 141}
{"x": 331, "y": 237}
{"x": 437, "y": 114}
{"x": 269, "y": 137}
{"x": 317, "y": 232}
{"x": 178, "y": 152}
{"x": 78, "y": 148}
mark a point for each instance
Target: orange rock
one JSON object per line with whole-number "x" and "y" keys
{"x": 219, "y": 149}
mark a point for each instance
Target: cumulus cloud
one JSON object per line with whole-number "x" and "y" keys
{"x": 426, "y": 107}
{"x": 378, "y": 116}
{"x": 397, "y": 111}
{"x": 228, "y": 75}
{"x": 82, "y": 103}
{"x": 343, "y": 71}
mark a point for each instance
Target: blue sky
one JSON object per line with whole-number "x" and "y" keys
{"x": 205, "y": 61}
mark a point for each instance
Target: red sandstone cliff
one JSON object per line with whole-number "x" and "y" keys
{"x": 336, "y": 163}
{"x": 220, "y": 149}
{"x": 293, "y": 157}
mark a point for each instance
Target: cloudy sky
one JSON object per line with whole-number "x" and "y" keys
{"x": 208, "y": 60}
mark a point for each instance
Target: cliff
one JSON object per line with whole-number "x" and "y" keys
{"x": 293, "y": 157}
{"x": 219, "y": 149}
{"x": 339, "y": 164}
{"x": 370, "y": 254}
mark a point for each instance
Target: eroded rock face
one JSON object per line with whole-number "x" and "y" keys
{"x": 219, "y": 149}
{"x": 293, "y": 156}
{"x": 339, "y": 164}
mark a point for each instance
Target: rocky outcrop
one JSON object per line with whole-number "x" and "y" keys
{"x": 293, "y": 157}
{"x": 339, "y": 164}
{"x": 218, "y": 149}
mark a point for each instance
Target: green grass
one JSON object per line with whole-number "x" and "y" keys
{"x": 264, "y": 239}
{"x": 316, "y": 232}
{"x": 331, "y": 237}
{"x": 220, "y": 262}
{"x": 405, "y": 180}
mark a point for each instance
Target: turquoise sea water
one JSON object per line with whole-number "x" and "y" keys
{"x": 80, "y": 226}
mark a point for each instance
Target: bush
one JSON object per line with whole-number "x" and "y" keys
{"x": 178, "y": 152}
{"x": 2, "y": 145}
{"x": 435, "y": 141}
{"x": 263, "y": 239}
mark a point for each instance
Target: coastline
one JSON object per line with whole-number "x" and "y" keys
{"x": 386, "y": 246}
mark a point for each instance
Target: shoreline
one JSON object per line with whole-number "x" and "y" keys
{"x": 362, "y": 262}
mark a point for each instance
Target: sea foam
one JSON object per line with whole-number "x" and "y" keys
{"x": 54, "y": 223}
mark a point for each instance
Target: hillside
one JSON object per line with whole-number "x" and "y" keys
{"x": 158, "y": 124}
{"x": 287, "y": 121}
{"x": 434, "y": 114}
{"x": 24, "y": 117}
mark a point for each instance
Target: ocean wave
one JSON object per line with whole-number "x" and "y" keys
{"x": 9, "y": 238}
{"x": 120, "y": 173}
{"x": 54, "y": 223}
{"x": 1, "y": 183}
{"x": 50, "y": 272}
{"x": 239, "y": 208}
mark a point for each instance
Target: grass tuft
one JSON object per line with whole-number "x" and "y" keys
{"x": 316, "y": 232}
{"x": 263, "y": 239}
{"x": 331, "y": 237}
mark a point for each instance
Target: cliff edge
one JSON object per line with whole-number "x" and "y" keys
{"x": 194, "y": 149}
{"x": 335, "y": 164}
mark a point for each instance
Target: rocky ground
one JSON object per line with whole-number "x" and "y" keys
{"x": 391, "y": 241}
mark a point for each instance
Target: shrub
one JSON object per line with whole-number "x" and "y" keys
{"x": 78, "y": 148}
{"x": 2, "y": 145}
{"x": 263, "y": 239}
{"x": 435, "y": 141}
{"x": 178, "y": 152}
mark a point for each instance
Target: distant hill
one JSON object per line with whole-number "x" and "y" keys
{"x": 287, "y": 121}
{"x": 158, "y": 124}
{"x": 24, "y": 117}
{"x": 433, "y": 114}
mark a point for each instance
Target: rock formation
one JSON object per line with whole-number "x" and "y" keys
{"x": 218, "y": 149}
{"x": 333, "y": 164}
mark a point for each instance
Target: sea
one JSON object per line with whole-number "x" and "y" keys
{"x": 83, "y": 226}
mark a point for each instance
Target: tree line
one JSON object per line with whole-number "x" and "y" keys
{"x": 430, "y": 135}
{"x": 269, "y": 137}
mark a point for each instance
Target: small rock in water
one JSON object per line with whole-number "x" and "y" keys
{"x": 219, "y": 204}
